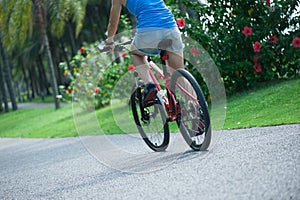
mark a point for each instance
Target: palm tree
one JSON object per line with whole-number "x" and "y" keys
{"x": 8, "y": 76}
{"x": 17, "y": 24}
{"x": 3, "y": 91}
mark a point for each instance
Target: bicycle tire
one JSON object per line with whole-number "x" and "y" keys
{"x": 194, "y": 120}
{"x": 155, "y": 130}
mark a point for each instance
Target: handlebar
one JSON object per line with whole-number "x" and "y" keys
{"x": 118, "y": 47}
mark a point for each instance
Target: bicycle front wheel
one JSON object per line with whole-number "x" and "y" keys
{"x": 151, "y": 122}
{"x": 193, "y": 120}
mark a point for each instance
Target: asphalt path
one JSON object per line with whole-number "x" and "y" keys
{"x": 256, "y": 163}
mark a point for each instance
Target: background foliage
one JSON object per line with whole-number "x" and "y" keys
{"x": 219, "y": 27}
{"x": 250, "y": 41}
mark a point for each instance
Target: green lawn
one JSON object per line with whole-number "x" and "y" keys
{"x": 272, "y": 104}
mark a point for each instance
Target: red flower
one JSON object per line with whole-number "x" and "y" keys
{"x": 123, "y": 54}
{"x": 82, "y": 50}
{"x": 247, "y": 31}
{"x": 181, "y": 22}
{"x": 273, "y": 39}
{"x": 194, "y": 51}
{"x": 131, "y": 67}
{"x": 96, "y": 90}
{"x": 69, "y": 91}
{"x": 296, "y": 42}
{"x": 257, "y": 67}
{"x": 267, "y": 2}
{"x": 256, "y": 47}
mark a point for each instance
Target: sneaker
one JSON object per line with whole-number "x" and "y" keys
{"x": 150, "y": 92}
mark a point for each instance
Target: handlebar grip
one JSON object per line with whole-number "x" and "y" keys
{"x": 118, "y": 47}
{"x": 105, "y": 49}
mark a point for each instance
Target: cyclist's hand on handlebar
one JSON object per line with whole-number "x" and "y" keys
{"x": 108, "y": 47}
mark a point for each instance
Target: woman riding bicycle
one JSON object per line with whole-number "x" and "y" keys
{"x": 155, "y": 23}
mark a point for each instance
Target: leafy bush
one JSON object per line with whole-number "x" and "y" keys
{"x": 250, "y": 41}
{"x": 93, "y": 76}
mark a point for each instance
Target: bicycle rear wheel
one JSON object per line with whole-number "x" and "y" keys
{"x": 151, "y": 122}
{"x": 194, "y": 120}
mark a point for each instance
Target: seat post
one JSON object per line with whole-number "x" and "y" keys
{"x": 164, "y": 58}
{"x": 162, "y": 46}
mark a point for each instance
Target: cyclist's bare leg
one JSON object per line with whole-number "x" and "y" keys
{"x": 142, "y": 67}
{"x": 175, "y": 60}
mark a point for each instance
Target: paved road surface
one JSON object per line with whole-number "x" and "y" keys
{"x": 257, "y": 163}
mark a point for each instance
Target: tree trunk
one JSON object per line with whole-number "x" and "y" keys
{"x": 26, "y": 82}
{"x": 3, "y": 91}
{"x": 43, "y": 73}
{"x": 41, "y": 81}
{"x": 34, "y": 81}
{"x": 72, "y": 39}
{"x": 8, "y": 78}
{"x": 18, "y": 95}
{"x": 1, "y": 104}
{"x": 41, "y": 21}
{"x": 52, "y": 73}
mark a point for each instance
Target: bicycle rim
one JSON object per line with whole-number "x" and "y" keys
{"x": 154, "y": 127}
{"x": 194, "y": 120}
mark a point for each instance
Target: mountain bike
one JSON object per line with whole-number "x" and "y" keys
{"x": 179, "y": 99}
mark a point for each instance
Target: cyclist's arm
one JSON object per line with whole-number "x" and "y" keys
{"x": 115, "y": 12}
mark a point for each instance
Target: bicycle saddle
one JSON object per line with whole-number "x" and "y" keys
{"x": 164, "y": 44}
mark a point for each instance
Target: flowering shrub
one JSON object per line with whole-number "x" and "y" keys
{"x": 250, "y": 41}
{"x": 93, "y": 76}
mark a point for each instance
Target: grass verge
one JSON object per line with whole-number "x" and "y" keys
{"x": 269, "y": 105}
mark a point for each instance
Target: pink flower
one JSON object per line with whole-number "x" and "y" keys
{"x": 296, "y": 42}
{"x": 96, "y": 90}
{"x": 273, "y": 39}
{"x": 181, "y": 22}
{"x": 194, "y": 51}
{"x": 131, "y": 67}
{"x": 247, "y": 31}
{"x": 256, "y": 46}
{"x": 257, "y": 67}
{"x": 123, "y": 54}
{"x": 267, "y": 2}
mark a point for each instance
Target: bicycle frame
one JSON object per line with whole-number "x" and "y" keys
{"x": 172, "y": 108}
{"x": 170, "y": 103}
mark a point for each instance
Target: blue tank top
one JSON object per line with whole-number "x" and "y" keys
{"x": 151, "y": 14}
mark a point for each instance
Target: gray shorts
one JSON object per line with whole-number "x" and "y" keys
{"x": 147, "y": 42}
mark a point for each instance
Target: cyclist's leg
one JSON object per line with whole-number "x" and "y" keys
{"x": 142, "y": 66}
{"x": 175, "y": 60}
